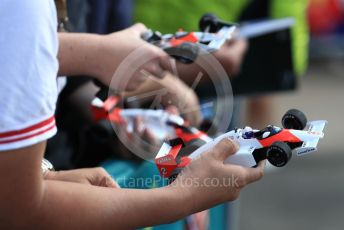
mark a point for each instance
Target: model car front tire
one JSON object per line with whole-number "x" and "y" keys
{"x": 209, "y": 22}
{"x": 279, "y": 154}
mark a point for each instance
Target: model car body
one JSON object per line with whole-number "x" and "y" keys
{"x": 272, "y": 143}
{"x": 161, "y": 123}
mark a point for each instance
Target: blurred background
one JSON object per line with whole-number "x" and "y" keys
{"x": 309, "y": 192}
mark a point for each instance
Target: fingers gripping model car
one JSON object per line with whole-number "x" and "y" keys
{"x": 272, "y": 143}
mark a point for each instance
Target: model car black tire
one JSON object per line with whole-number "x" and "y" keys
{"x": 279, "y": 154}
{"x": 186, "y": 52}
{"x": 294, "y": 119}
{"x": 209, "y": 21}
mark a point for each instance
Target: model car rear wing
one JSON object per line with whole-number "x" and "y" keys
{"x": 315, "y": 130}
{"x": 316, "y": 126}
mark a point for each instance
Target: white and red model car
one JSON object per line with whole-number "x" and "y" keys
{"x": 272, "y": 143}
{"x": 106, "y": 111}
{"x": 185, "y": 46}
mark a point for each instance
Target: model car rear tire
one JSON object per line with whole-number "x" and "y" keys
{"x": 210, "y": 22}
{"x": 294, "y": 119}
{"x": 186, "y": 52}
{"x": 279, "y": 154}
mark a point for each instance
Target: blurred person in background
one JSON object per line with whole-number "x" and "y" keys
{"x": 327, "y": 32}
{"x": 260, "y": 109}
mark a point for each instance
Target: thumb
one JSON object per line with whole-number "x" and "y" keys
{"x": 99, "y": 177}
{"x": 171, "y": 109}
{"x": 225, "y": 148}
{"x": 254, "y": 174}
{"x": 139, "y": 28}
{"x": 108, "y": 182}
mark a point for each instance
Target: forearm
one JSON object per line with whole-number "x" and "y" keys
{"x": 28, "y": 201}
{"x": 86, "y": 54}
{"x": 79, "y": 54}
{"x": 76, "y": 206}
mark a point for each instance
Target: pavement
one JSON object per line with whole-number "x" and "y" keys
{"x": 308, "y": 193}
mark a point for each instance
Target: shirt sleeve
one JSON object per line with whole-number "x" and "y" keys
{"x": 28, "y": 64}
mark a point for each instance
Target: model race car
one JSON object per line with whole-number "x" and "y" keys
{"x": 185, "y": 46}
{"x": 106, "y": 111}
{"x": 272, "y": 143}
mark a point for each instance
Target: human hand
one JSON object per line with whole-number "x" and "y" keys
{"x": 92, "y": 176}
{"x": 231, "y": 55}
{"x": 184, "y": 99}
{"x": 171, "y": 91}
{"x": 145, "y": 138}
{"x": 117, "y": 46}
{"x": 141, "y": 139}
{"x": 207, "y": 181}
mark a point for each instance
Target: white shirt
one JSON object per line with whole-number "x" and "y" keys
{"x": 28, "y": 70}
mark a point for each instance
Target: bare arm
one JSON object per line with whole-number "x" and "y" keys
{"x": 27, "y": 200}
{"x": 77, "y": 53}
{"x": 99, "y": 56}
{"x": 63, "y": 205}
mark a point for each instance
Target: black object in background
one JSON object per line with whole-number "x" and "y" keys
{"x": 268, "y": 64}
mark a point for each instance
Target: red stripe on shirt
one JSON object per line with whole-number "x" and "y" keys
{"x": 28, "y": 129}
{"x": 29, "y": 136}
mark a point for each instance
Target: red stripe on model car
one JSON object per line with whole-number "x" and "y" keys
{"x": 186, "y": 137}
{"x": 190, "y": 37}
{"x": 28, "y": 129}
{"x": 175, "y": 150}
{"x": 115, "y": 116}
{"x": 29, "y": 136}
{"x": 284, "y": 136}
{"x": 111, "y": 103}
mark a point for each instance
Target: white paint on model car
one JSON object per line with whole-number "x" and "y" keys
{"x": 265, "y": 134}
{"x": 310, "y": 137}
{"x": 242, "y": 157}
{"x": 97, "y": 102}
{"x": 225, "y": 33}
{"x": 164, "y": 150}
{"x": 154, "y": 120}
